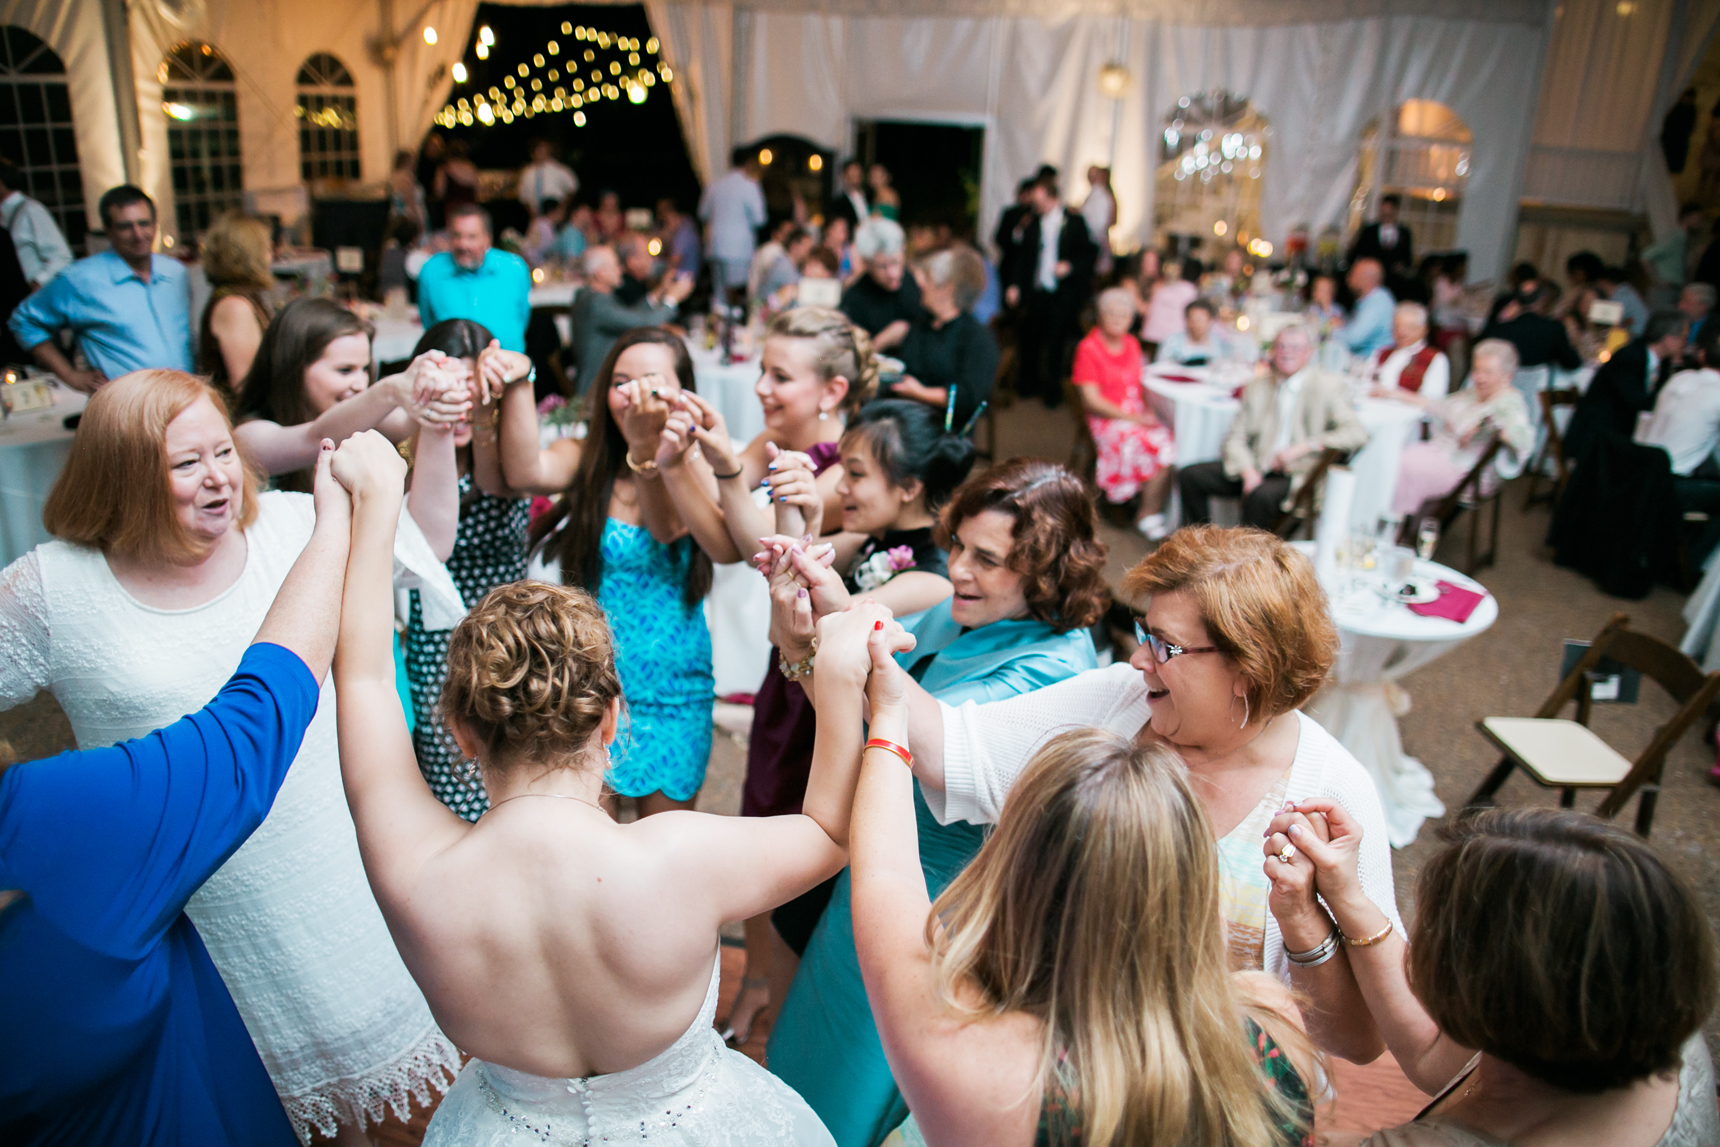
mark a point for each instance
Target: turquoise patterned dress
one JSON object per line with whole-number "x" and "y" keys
{"x": 663, "y": 656}
{"x": 825, "y": 1044}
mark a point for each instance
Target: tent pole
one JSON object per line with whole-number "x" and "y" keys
{"x": 391, "y": 97}
{"x": 116, "y": 24}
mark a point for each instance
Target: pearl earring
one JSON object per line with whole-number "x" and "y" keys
{"x": 823, "y": 415}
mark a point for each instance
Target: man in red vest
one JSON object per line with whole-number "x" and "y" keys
{"x": 1411, "y": 368}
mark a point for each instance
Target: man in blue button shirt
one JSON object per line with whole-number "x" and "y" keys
{"x": 1370, "y": 326}
{"x": 472, "y": 280}
{"x": 129, "y": 308}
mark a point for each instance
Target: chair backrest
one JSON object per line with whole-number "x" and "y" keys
{"x": 1530, "y": 381}
{"x": 1301, "y": 510}
{"x": 1448, "y": 505}
{"x": 1550, "y": 399}
{"x": 1083, "y": 452}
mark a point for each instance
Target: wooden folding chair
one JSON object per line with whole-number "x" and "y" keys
{"x": 1301, "y": 511}
{"x": 1084, "y": 453}
{"x": 1552, "y": 446}
{"x": 1567, "y": 755}
{"x": 1466, "y": 495}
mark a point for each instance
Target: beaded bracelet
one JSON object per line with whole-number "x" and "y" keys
{"x": 1318, "y": 954}
{"x": 795, "y": 670}
{"x": 1370, "y": 941}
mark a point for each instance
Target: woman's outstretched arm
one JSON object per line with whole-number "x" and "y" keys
{"x": 400, "y": 822}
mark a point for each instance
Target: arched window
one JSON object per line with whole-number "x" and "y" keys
{"x": 202, "y": 109}
{"x": 1423, "y": 157}
{"x": 36, "y": 128}
{"x": 1212, "y": 156}
{"x": 328, "y": 120}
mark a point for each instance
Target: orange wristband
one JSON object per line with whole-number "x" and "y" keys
{"x": 892, "y": 747}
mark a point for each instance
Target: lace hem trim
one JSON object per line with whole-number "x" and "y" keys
{"x": 433, "y": 1063}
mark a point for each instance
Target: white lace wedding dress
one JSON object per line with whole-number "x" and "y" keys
{"x": 289, "y": 919}
{"x": 698, "y": 1093}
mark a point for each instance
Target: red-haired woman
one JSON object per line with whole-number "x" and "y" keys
{"x": 165, "y": 560}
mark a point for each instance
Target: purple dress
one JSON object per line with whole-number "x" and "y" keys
{"x": 779, "y": 750}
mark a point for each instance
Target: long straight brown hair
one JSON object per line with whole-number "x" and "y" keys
{"x": 1095, "y": 908}
{"x": 584, "y": 505}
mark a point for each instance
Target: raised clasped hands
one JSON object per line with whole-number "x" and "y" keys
{"x": 857, "y": 646}
{"x": 1322, "y": 841}
{"x": 793, "y": 484}
{"x": 436, "y": 390}
{"x": 367, "y": 466}
{"x": 645, "y": 406}
{"x": 497, "y": 370}
{"x": 693, "y": 420}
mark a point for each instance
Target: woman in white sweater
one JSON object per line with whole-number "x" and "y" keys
{"x": 1235, "y": 638}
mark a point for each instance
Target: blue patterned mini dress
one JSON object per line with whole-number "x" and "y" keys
{"x": 663, "y": 656}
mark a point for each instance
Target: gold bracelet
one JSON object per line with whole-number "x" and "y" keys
{"x": 646, "y": 468}
{"x": 1368, "y": 941}
{"x": 796, "y": 670}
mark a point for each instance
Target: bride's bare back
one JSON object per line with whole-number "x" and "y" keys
{"x": 546, "y": 937}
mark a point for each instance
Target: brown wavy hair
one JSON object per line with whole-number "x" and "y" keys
{"x": 1260, "y": 602}
{"x": 1054, "y": 545}
{"x": 531, "y": 672}
{"x": 584, "y": 505}
{"x": 1562, "y": 945}
{"x": 1094, "y": 907}
{"x": 114, "y": 493}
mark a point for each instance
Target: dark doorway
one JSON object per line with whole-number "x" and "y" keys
{"x": 633, "y": 149}
{"x": 935, "y": 168}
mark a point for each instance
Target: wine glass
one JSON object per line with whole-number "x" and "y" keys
{"x": 1427, "y": 539}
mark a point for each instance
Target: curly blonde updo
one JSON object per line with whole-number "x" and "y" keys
{"x": 531, "y": 672}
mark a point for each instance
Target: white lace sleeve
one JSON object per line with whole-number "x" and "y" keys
{"x": 23, "y": 632}
{"x": 987, "y": 746}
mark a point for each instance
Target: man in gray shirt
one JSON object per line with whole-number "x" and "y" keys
{"x": 598, "y": 318}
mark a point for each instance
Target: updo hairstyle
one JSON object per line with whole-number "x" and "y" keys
{"x": 531, "y": 672}
{"x": 908, "y": 440}
{"x": 839, "y": 349}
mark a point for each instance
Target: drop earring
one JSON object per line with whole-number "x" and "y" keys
{"x": 823, "y": 415}
{"x": 1244, "y": 724}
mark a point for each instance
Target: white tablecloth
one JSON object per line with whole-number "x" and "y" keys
{"x": 33, "y": 448}
{"x": 1379, "y": 642}
{"x": 553, "y": 294}
{"x": 395, "y": 339}
{"x": 1702, "y": 614}
{"x": 1200, "y": 416}
{"x": 730, "y": 388}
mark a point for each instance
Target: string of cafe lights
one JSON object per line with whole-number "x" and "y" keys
{"x": 598, "y": 66}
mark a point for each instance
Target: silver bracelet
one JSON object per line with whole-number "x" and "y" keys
{"x": 1319, "y": 953}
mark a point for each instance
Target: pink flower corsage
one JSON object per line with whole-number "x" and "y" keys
{"x": 901, "y": 558}
{"x": 882, "y": 566}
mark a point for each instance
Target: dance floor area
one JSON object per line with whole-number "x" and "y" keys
{"x": 1506, "y": 671}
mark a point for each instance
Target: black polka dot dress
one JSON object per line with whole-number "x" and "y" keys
{"x": 489, "y": 550}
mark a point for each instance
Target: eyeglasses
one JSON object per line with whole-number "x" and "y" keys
{"x": 1163, "y": 650}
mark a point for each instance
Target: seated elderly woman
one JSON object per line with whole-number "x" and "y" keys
{"x": 1135, "y": 450}
{"x": 1028, "y": 574}
{"x": 1411, "y": 365}
{"x": 1468, "y": 421}
{"x": 1199, "y": 343}
{"x": 1554, "y": 988}
{"x": 1235, "y": 639}
{"x": 885, "y": 301}
{"x": 949, "y": 358}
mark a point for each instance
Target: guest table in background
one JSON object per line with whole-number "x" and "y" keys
{"x": 1381, "y": 641}
{"x": 33, "y": 447}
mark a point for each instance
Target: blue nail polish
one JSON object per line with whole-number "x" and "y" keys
{"x": 771, "y": 467}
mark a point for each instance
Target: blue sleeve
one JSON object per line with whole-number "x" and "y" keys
{"x": 41, "y": 315}
{"x": 110, "y": 843}
{"x": 426, "y": 292}
{"x": 1011, "y": 679}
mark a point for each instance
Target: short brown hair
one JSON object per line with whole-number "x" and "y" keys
{"x": 1261, "y": 604}
{"x": 531, "y": 671}
{"x": 1055, "y": 547}
{"x": 1562, "y": 945}
{"x": 114, "y": 492}
{"x": 237, "y": 251}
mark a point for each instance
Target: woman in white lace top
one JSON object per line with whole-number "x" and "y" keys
{"x": 1234, "y": 640}
{"x": 134, "y": 617}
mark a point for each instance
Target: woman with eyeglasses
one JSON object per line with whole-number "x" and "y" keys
{"x": 1234, "y": 639}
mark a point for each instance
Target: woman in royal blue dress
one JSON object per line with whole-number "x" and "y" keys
{"x": 1028, "y": 577}
{"x": 120, "y": 1027}
{"x": 616, "y": 534}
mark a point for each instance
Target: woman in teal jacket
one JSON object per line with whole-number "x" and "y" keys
{"x": 1027, "y": 572}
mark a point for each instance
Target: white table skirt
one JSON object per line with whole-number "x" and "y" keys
{"x": 1200, "y": 416}
{"x": 33, "y": 448}
{"x": 730, "y": 388}
{"x": 1379, "y": 643}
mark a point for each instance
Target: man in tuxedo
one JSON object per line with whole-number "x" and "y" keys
{"x": 1052, "y": 278}
{"x": 1387, "y": 241}
{"x": 1626, "y": 384}
{"x": 850, "y": 201}
{"x": 1012, "y": 232}
{"x": 1522, "y": 321}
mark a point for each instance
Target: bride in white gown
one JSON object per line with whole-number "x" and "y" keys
{"x": 572, "y": 956}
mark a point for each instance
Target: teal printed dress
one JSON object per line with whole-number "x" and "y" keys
{"x": 663, "y": 656}
{"x": 825, "y": 1044}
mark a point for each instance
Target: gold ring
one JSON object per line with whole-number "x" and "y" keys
{"x": 1287, "y": 855}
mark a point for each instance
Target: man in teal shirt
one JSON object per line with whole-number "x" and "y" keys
{"x": 472, "y": 280}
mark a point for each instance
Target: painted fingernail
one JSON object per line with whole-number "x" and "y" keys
{"x": 876, "y": 625}
{"x": 772, "y": 466}
{"x": 800, "y": 593}
{"x": 806, "y": 537}
{"x": 783, "y": 499}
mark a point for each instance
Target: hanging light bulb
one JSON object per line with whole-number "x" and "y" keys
{"x": 459, "y": 73}
{"x": 482, "y": 51}
{"x": 429, "y": 34}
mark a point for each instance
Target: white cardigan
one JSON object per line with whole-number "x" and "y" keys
{"x": 987, "y": 746}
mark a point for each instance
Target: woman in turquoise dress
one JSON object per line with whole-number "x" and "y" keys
{"x": 615, "y": 533}
{"x": 1027, "y": 571}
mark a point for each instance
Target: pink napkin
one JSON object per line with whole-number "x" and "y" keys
{"x": 1453, "y": 603}
{"x": 1179, "y": 378}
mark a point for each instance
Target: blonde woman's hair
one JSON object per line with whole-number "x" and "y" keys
{"x": 840, "y": 349}
{"x": 1095, "y": 908}
{"x": 1116, "y": 298}
{"x": 114, "y": 492}
{"x": 531, "y": 672}
{"x": 237, "y": 251}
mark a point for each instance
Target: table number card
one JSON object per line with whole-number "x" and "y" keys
{"x": 18, "y": 397}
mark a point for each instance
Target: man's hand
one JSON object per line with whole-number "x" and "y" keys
{"x": 88, "y": 381}
{"x": 1288, "y": 456}
{"x": 1251, "y": 479}
{"x": 1011, "y": 296}
{"x": 891, "y": 335}
{"x": 1062, "y": 269}
{"x": 675, "y": 288}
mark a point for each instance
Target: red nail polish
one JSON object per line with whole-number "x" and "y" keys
{"x": 877, "y": 625}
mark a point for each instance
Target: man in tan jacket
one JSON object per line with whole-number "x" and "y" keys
{"x": 1288, "y": 416}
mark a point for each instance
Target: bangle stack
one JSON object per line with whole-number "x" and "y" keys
{"x": 1319, "y": 953}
